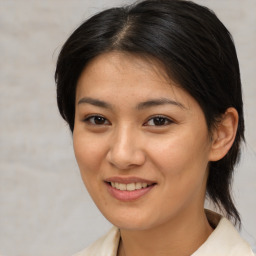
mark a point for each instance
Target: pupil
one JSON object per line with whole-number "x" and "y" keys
{"x": 159, "y": 121}
{"x": 99, "y": 120}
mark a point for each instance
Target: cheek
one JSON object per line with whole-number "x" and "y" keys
{"x": 182, "y": 160}
{"x": 173, "y": 152}
{"x": 89, "y": 154}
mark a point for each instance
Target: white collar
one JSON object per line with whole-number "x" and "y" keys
{"x": 223, "y": 241}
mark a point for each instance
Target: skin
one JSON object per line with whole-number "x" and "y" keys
{"x": 126, "y": 142}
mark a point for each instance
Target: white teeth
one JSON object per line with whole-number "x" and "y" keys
{"x": 116, "y": 185}
{"x": 130, "y": 186}
{"x": 138, "y": 185}
{"x": 122, "y": 186}
{"x": 144, "y": 185}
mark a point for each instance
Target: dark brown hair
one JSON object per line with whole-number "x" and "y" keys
{"x": 195, "y": 48}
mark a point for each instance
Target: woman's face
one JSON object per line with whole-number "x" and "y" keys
{"x": 141, "y": 143}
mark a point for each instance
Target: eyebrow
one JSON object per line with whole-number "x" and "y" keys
{"x": 95, "y": 102}
{"x": 159, "y": 102}
{"x": 140, "y": 106}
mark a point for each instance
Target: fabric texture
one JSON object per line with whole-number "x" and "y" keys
{"x": 224, "y": 241}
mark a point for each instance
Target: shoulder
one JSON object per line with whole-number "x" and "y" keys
{"x": 107, "y": 245}
{"x": 224, "y": 240}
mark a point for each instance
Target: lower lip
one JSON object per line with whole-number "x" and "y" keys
{"x": 124, "y": 195}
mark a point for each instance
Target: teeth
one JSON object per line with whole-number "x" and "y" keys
{"x": 116, "y": 185}
{"x": 130, "y": 186}
{"x": 138, "y": 185}
{"x": 144, "y": 185}
{"x": 122, "y": 186}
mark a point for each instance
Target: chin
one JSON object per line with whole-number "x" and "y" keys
{"x": 131, "y": 221}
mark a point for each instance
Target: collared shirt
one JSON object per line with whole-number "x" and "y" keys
{"x": 223, "y": 241}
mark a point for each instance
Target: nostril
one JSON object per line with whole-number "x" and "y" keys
{"x": 125, "y": 158}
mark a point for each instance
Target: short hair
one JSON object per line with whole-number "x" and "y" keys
{"x": 197, "y": 52}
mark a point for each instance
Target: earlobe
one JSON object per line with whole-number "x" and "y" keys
{"x": 224, "y": 134}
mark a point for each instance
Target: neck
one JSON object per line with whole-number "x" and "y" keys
{"x": 180, "y": 237}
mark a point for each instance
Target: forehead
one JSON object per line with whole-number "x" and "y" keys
{"x": 120, "y": 61}
{"x": 119, "y": 74}
{"x": 120, "y": 65}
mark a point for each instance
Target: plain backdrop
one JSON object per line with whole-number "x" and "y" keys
{"x": 44, "y": 208}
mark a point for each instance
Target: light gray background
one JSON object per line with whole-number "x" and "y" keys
{"x": 44, "y": 207}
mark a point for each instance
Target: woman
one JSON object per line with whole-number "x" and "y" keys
{"x": 152, "y": 95}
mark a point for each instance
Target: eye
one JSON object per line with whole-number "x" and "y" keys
{"x": 97, "y": 120}
{"x": 158, "y": 121}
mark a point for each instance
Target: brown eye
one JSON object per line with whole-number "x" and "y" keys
{"x": 158, "y": 121}
{"x": 97, "y": 120}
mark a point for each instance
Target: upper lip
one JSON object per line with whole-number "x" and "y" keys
{"x": 127, "y": 180}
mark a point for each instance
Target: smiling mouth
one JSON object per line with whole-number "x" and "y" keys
{"x": 128, "y": 189}
{"x": 129, "y": 186}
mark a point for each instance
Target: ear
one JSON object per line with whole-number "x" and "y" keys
{"x": 224, "y": 134}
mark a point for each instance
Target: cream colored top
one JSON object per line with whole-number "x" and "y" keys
{"x": 224, "y": 241}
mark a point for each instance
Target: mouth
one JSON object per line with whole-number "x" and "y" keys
{"x": 128, "y": 189}
{"x": 130, "y": 186}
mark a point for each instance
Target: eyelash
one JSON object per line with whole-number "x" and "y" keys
{"x": 88, "y": 120}
{"x": 166, "y": 120}
{"x": 160, "y": 118}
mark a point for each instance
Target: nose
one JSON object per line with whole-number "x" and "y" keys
{"x": 125, "y": 149}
